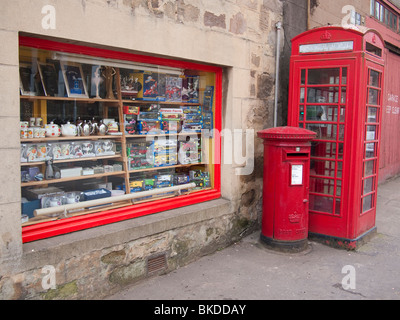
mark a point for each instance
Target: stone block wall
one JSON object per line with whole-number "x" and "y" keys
{"x": 238, "y": 35}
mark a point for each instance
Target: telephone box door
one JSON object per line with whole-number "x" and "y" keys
{"x": 323, "y": 106}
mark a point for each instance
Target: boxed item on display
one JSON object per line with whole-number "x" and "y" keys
{"x": 130, "y": 123}
{"x": 190, "y": 89}
{"x": 208, "y": 99}
{"x": 131, "y": 84}
{"x": 173, "y": 88}
{"x": 164, "y": 180}
{"x": 139, "y": 155}
{"x": 200, "y": 178}
{"x": 148, "y": 127}
{"x": 189, "y": 151}
{"x": 131, "y": 110}
{"x": 165, "y": 152}
{"x": 171, "y": 120}
{"x": 150, "y": 86}
{"x": 193, "y": 120}
{"x": 95, "y": 194}
{"x": 71, "y": 172}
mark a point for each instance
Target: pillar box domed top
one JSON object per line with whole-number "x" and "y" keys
{"x": 287, "y": 133}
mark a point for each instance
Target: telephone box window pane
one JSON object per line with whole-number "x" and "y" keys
{"x": 343, "y": 96}
{"x": 323, "y": 149}
{"x": 325, "y": 186}
{"x": 339, "y": 169}
{"x": 303, "y": 76}
{"x": 302, "y": 95}
{"x": 368, "y": 185}
{"x": 337, "y": 207}
{"x": 373, "y": 97}
{"x": 344, "y": 76}
{"x": 372, "y": 115}
{"x": 342, "y": 117}
{"x": 341, "y": 132}
{"x": 322, "y": 168}
{"x": 301, "y": 113}
{"x": 322, "y": 204}
{"x": 370, "y": 150}
{"x": 340, "y": 153}
{"x": 367, "y": 203}
{"x": 338, "y": 188}
{"x": 369, "y": 168}
{"x": 324, "y": 131}
{"x": 374, "y": 78}
{"x": 323, "y": 95}
{"x": 321, "y": 113}
{"x": 323, "y": 76}
{"x": 371, "y": 133}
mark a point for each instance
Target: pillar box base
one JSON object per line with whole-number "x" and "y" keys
{"x": 284, "y": 246}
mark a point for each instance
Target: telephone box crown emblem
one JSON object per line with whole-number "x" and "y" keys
{"x": 326, "y": 35}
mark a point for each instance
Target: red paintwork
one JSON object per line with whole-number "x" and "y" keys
{"x": 285, "y": 206}
{"x": 336, "y": 211}
{"x": 389, "y": 162}
{"x": 54, "y": 228}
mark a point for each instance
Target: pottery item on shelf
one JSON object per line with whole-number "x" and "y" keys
{"x": 69, "y": 129}
{"x": 72, "y": 197}
{"x": 49, "y": 170}
{"x": 52, "y": 130}
{"x": 84, "y": 128}
{"x": 42, "y": 151}
{"x": 31, "y": 153}
{"x": 55, "y": 151}
{"x": 95, "y": 126}
{"x": 54, "y": 202}
{"x": 66, "y": 150}
{"x": 87, "y": 149}
{"x": 102, "y": 128}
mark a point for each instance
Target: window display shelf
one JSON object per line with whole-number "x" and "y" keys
{"x": 38, "y": 163}
{"x": 172, "y": 103}
{"x": 54, "y": 181}
{"x": 61, "y": 138}
{"x": 167, "y": 167}
{"x": 87, "y": 100}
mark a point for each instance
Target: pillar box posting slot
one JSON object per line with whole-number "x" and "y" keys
{"x": 285, "y": 187}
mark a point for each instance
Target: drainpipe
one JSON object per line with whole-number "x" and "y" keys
{"x": 278, "y": 26}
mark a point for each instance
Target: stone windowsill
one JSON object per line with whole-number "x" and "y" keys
{"x": 53, "y": 250}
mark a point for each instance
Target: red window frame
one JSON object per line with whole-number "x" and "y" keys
{"x": 63, "y": 226}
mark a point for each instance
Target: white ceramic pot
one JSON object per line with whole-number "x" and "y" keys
{"x": 52, "y": 130}
{"x": 69, "y": 129}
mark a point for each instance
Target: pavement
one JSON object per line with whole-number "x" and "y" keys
{"x": 247, "y": 270}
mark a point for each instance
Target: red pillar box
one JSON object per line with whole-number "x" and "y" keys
{"x": 285, "y": 189}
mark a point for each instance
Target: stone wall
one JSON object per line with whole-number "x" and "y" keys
{"x": 238, "y": 35}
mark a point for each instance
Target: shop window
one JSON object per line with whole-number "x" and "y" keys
{"x": 107, "y": 124}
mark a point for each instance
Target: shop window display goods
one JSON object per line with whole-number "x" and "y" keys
{"x": 92, "y": 127}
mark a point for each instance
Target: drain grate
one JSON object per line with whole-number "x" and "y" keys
{"x": 156, "y": 264}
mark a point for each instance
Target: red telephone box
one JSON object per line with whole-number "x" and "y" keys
{"x": 335, "y": 90}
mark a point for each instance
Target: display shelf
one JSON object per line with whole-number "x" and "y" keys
{"x": 54, "y": 181}
{"x": 87, "y": 100}
{"x": 174, "y": 103}
{"x": 62, "y": 138}
{"x": 167, "y": 167}
{"x": 111, "y": 157}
